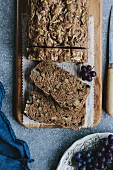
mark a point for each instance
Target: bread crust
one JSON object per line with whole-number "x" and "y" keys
{"x": 58, "y": 23}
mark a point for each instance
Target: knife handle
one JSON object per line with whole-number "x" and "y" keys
{"x": 109, "y": 91}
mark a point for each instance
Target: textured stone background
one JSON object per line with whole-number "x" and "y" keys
{"x": 46, "y": 145}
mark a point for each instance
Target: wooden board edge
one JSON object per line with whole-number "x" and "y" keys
{"x": 98, "y": 80}
{"x": 18, "y": 65}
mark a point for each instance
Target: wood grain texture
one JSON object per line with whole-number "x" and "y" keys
{"x": 95, "y": 9}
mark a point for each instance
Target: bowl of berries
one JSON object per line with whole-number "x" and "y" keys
{"x": 93, "y": 152}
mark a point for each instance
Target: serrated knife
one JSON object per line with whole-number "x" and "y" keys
{"x": 109, "y": 88}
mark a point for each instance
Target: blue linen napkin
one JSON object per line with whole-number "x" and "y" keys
{"x": 14, "y": 153}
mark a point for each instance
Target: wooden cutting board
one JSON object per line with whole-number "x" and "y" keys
{"x": 95, "y": 10}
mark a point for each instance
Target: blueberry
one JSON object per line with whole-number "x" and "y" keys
{"x": 89, "y": 160}
{"x": 101, "y": 166}
{"x": 78, "y": 164}
{"x": 90, "y": 166}
{"x": 84, "y": 162}
{"x": 105, "y": 141}
{"x": 103, "y": 149}
{"x": 108, "y": 157}
{"x": 99, "y": 154}
{"x": 90, "y": 152}
{"x": 89, "y": 68}
{"x": 83, "y": 168}
{"x": 88, "y": 155}
{"x": 78, "y": 155}
{"x": 110, "y": 137}
{"x": 110, "y": 147}
{"x": 89, "y": 78}
{"x": 93, "y": 73}
{"x": 83, "y": 68}
{"x": 102, "y": 159}
{"x": 95, "y": 164}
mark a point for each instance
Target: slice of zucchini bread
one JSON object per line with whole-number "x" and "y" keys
{"x": 57, "y": 54}
{"x": 66, "y": 89}
{"x": 44, "y": 110}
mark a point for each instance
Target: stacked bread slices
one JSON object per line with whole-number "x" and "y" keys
{"x": 59, "y": 97}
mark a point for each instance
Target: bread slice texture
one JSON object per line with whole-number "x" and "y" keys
{"x": 57, "y": 54}
{"x": 58, "y": 23}
{"x": 66, "y": 89}
{"x": 43, "y": 109}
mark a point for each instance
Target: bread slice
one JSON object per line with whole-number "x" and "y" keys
{"x": 44, "y": 110}
{"x": 57, "y": 54}
{"x": 58, "y": 23}
{"x": 66, "y": 89}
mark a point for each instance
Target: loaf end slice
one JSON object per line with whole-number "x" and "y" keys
{"x": 44, "y": 110}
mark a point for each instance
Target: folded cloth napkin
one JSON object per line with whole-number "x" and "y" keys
{"x": 14, "y": 153}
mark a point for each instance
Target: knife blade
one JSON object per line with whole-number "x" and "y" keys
{"x": 111, "y": 37}
{"x": 109, "y": 88}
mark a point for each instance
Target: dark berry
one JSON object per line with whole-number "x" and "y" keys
{"x": 110, "y": 147}
{"x": 93, "y": 73}
{"x": 89, "y": 160}
{"x": 102, "y": 149}
{"x": 83, "y": 68}
{"x": 84, "y": 163}
{"x": 108, "y": 158}
{"x": 84, "y": 74}
{"x": 88, "y": 155}
{"x": 108, "y": 150}
{"x": 83, "y": 168}
{"x": 78, "y": 164}
{"x": 95, "y": 164}
{"x": 102, "y": 159}
{"x": 99, "y": 154}
{"x": 78, "y": 156}
{"x": 110, "y": 138}
{"x": 109, "y": 154}
{"x": 89, "y": 78}
{"x": 89, "y": 68}
{"x": 111, "y": 141}
{"x": 90, "y": 152}
{"x": 105, "y": 141}
{"x": 101, "y": 166}
{"x": 90, "y": 166}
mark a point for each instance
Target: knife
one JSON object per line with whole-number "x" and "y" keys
{"x": 109, "y": 89}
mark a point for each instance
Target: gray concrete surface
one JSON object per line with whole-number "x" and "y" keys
{"x": 46, "y": 145}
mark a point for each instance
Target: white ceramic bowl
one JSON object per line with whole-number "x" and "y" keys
{"x": 86, "y": 142}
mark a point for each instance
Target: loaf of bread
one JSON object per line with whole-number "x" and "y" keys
{"x": 58, "y": 23}
{"x": 57, "y": 54}
{"x": 44, "y": 110}
{"x": 66, "y": 89}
